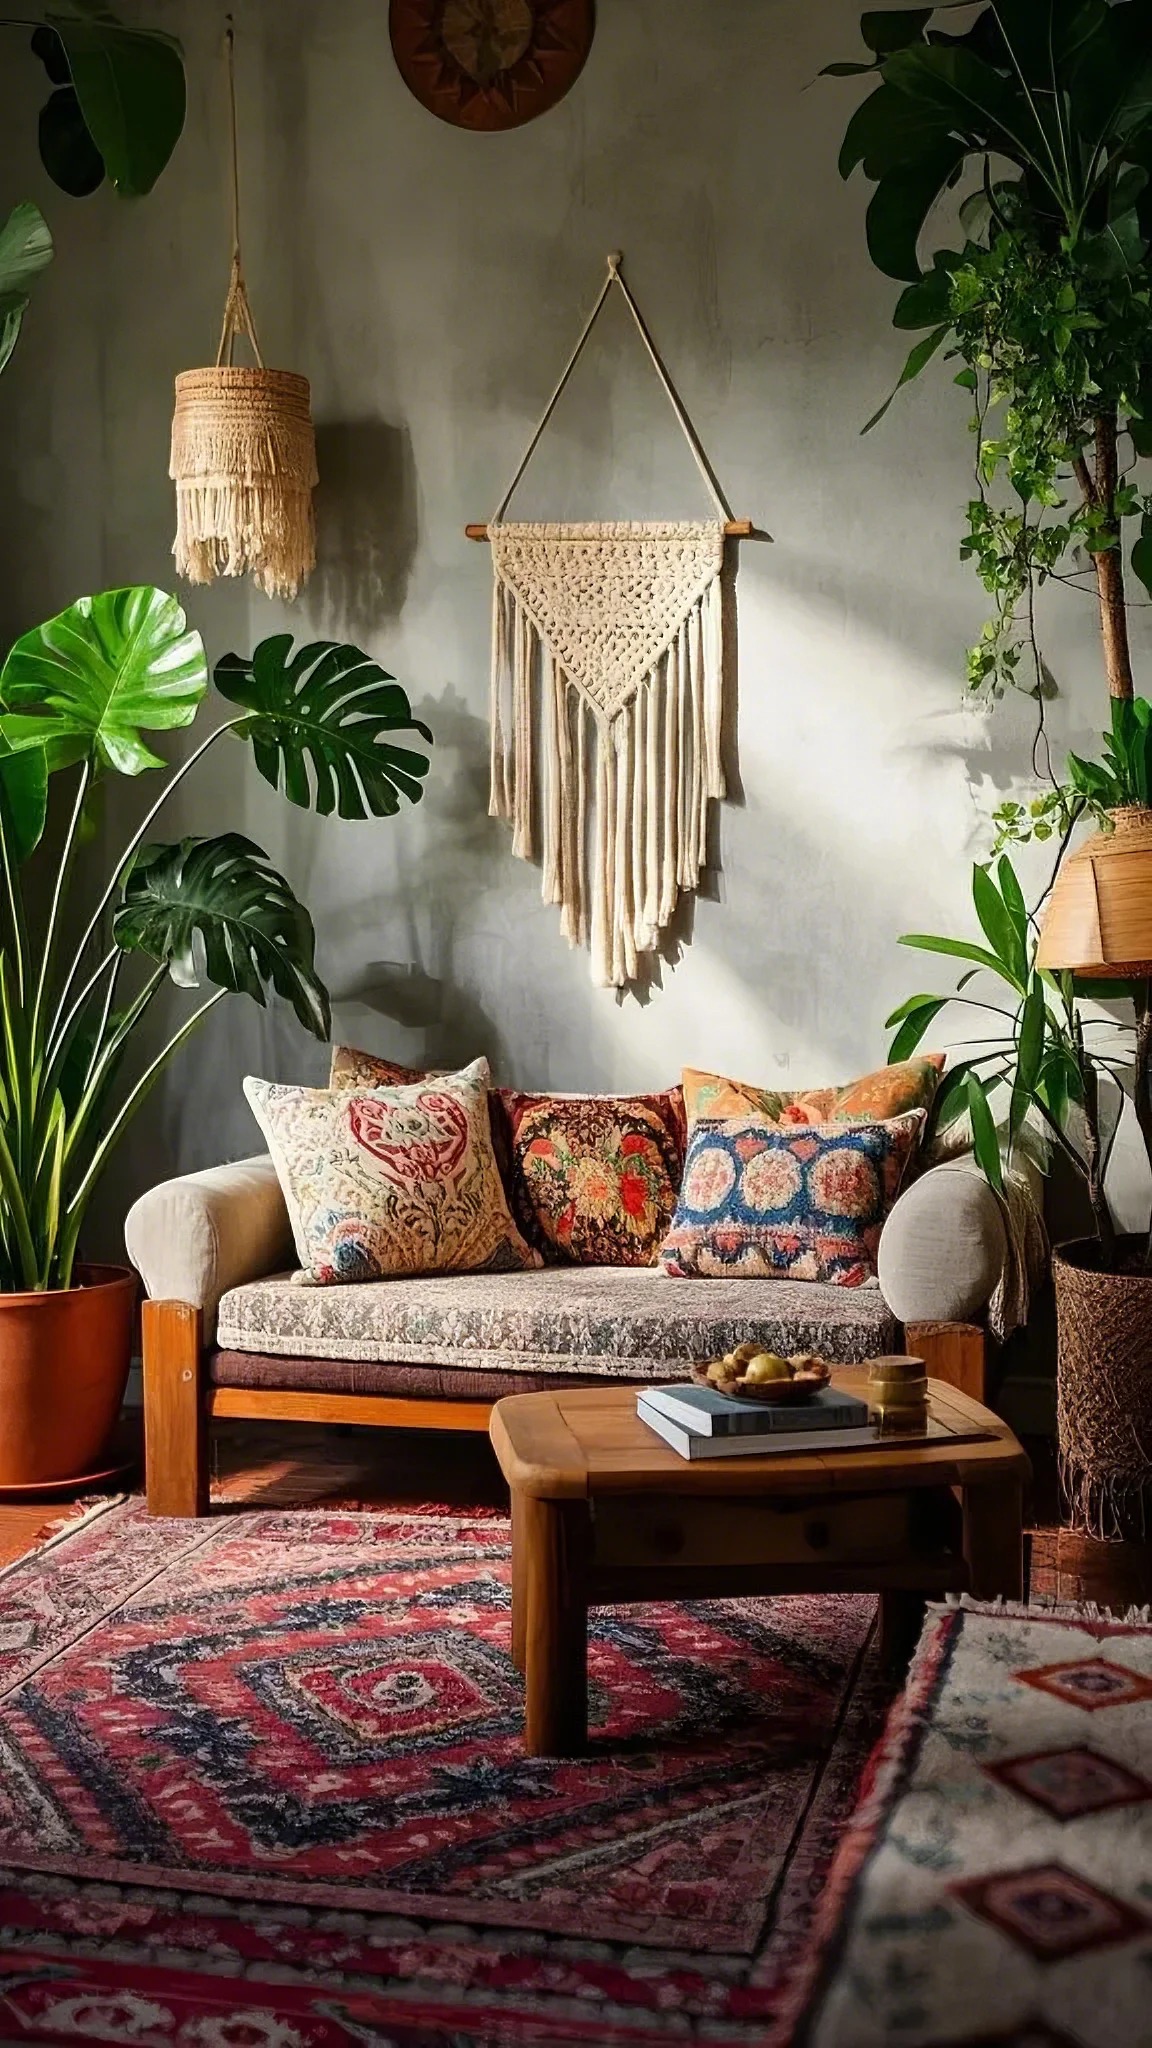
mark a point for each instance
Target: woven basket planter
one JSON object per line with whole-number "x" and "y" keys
{"x": 244, "y": 465}
{"x": 1104, "y": 1388}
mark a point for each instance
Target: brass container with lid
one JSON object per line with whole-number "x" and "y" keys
{"x": 898, "y": 1392}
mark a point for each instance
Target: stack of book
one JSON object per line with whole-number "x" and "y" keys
{"x": 698, "y": 1422}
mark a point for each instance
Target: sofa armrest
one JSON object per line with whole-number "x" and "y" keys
{"x": 944, "y": 1247}
{"x": 192, "y": 1239}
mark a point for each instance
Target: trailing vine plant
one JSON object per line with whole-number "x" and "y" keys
{"x": 1038, "y": 117}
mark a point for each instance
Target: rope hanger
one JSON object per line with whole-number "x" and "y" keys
{"x": 237, "y": 311}
{"x": 737, "y": 528}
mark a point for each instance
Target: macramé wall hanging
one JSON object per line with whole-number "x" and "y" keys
{"x": 607, "y": 688}
{"x": 243, "y": 448}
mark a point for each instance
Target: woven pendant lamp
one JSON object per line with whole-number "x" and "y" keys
{"x": 243, "y": 449}
{"x": 1099, "y": 917}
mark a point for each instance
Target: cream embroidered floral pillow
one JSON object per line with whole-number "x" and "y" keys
{"x": 389, "y": 1181}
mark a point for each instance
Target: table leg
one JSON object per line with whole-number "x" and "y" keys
{"x": 554, "y": 1539}
{"x": 519, "y": 1588}
{"x": 994, "y": 1540}
{"x": 901, "y": 1620}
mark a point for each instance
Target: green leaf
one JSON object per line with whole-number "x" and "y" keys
{"x": 131, "y": 90}
{"x": 1014, "y": 902}
{"x": 25, "y": 250}
{"x": 974, "y": 101}
{"x": 327, "y": 709}
{"x": 67, "y": 150}
{"x": 915, "y": 1017}
{"x": 1142, "y": 554}
{"x": 901, "y": 204}
{"x": 23, "y": 799}
{"x": 889, "y": 128}
{"x": 893, "y": 28}
{"x": 985, "y": 1142}
{"x": 1031, "y": 1041}
{"x": 928, "y": 303}
{"x": 958, "y": 949}
{"x": 217, "y": 910}
{"x": 999, "y": 927}
{"x": 920, "y": 357}
{"x": 846, "y": 70}
{"x": 91, "y": 680}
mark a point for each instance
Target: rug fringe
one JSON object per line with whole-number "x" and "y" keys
{"x": 1044, "y": 1608}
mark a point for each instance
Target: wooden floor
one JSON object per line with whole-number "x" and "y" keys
{"x": 291, "y": 1466}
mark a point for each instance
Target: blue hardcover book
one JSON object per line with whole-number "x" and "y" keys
{"x": 706, "y": 1412}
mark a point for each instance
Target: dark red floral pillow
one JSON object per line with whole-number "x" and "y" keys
{"x": 594, "y": 1178}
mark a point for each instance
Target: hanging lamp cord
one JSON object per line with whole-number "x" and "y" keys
{"x": 237, "y": 311}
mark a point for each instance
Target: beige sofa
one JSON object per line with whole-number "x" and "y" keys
{"x": 227, "y": 1333}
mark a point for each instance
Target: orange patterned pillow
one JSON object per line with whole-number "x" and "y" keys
{"x": 874, "y": 1098}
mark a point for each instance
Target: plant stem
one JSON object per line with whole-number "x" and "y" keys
{"x": 1142, "y": 1092}
{"x": 63, "y": 875}
{"x": 1100, "y": 495}
{"x": 1101, "y": 1213}
{"x": 133, "y": 845}
{"x": 124, "y": 1114}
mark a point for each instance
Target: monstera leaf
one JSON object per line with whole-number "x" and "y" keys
{"x": 25, "y": 250}
{"x": 216, "y": 910}
{"x": 93, "y": 678}
{"x": 329, "y": 707}
{"x": 23, "y": 799}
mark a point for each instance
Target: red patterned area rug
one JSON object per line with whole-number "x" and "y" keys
{"x": 994, "y": 1889}
{"x": 261, "y": 1781}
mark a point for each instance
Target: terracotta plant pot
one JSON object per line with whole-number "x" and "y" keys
{"x": 1104, "y": 1386}
{"x": 64, "y": 1362}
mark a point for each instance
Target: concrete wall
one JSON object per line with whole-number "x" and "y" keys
{"x": 430, "y": 283}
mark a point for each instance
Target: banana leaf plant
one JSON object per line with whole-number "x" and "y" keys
{"x": 116, "y": 110}
{"x": 80, "y": 698}
{"x": 1037, "y": 1053}
{"x": 1037, "y": 116}
{"x": 117, "y": 101}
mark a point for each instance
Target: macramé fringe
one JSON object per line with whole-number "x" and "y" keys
{"x": 619, "y": 803}
{"x": 244, "y": 465}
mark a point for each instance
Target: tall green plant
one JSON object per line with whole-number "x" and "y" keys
{"x": 81, "y": 698}
{"x": 1038, "y": 117}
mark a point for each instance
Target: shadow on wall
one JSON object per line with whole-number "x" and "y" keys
{"x": 462, "y": 861}
{"x": 366, "y": 530}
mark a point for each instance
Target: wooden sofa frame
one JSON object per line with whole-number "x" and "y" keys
{"x": 180, "y": 1405}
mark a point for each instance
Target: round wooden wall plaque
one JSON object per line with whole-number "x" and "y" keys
{"x": 490, "y": 64}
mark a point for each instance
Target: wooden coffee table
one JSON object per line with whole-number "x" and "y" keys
{"x": 604, "y": 1512}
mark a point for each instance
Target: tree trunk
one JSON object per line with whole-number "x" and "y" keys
{"x": 1109, "y": 565}
{"x": 1142, "y": 1090}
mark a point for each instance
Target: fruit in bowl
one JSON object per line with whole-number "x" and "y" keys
{"x": 752, "y": 1373}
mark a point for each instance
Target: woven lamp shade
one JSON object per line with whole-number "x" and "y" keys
{"x": 1099, "y": 918}
{"x": 244, "y": 466}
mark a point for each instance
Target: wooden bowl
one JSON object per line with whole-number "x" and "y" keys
{"x": 771, "y": 1393}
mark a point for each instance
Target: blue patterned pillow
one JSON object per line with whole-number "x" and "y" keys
{"x": 761, "y": 1200}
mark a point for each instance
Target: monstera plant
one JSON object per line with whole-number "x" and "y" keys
{"x": 80, "y": 698}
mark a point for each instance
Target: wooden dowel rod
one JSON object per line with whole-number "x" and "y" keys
{"x": 736, "y": 529}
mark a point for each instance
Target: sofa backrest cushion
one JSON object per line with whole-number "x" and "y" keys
{"x": 764, "y": 1201}
{"x": 873, "y": 1098}
{"x": 381, "y": 1182}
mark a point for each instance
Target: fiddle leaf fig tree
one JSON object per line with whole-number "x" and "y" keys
{"x": 82, "y": 698}
{"x": 1036, "y": 119}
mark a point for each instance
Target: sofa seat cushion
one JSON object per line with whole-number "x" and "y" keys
{"x": 263, "y": 1372}
{"x": 596, "y": 1320}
